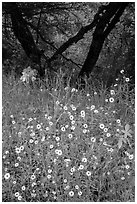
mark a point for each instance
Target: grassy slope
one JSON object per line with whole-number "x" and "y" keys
{"x": 41, "y": 129}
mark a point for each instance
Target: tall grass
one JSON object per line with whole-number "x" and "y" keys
{"x": 63, "y": 144}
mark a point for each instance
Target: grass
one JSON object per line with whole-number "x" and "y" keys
{"x": 62, "y": 145}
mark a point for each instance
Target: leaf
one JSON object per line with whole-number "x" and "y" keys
{"x": 120, "y": 143}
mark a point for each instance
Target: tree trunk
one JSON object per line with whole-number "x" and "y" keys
{"x": 24, "y": 35}
{"x": 108, "y": 18}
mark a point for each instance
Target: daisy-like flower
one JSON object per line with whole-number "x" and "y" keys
{"x": 72, "y": 169}
{"x": 63, "y": 129}
{"x": 16, "y": 164}
{"x": 108, "y": 134}
{"x": 71, "y": 193}
{"x": 72, "y": 127}
{"x": 93, "y": 139}
{"x": 96, "y": 111}
{"x": 82, "y": 113}
{"x": 73, "y": 122}
{"x": 23, "y": 188}
{"x": 65, "y": 181}
{"x": 80, "y": 193}
{"x": 19, "y": 197}
{"x": 17, "y": 150}
{"x": 65, "y": 108}
{"x": 88, "y": 173}
{"x": 127, "y": 166}
{"x": 106, "y": 100}
{"x": 70, "y": 136}
{"x": 112, "y": 92}
{"x": 127, "y": 79}
{"x": 101, "y": 126}
{"x": 76, "y": 187}
{"x": 51, "y": 146}
{"x": 105, "y": 129}
{"x": 85, "y": 126}
{"x": 59, "y": 152}
{"x": 84, "y": 131}
{"x": 21, "y": 148}
{"x": 31, "y": 141}
{"x": 7, "y": 176}
{"x": 17, "y": 194}
{"x": 92, "y": 107}
{"x": 118, "y": 121}
{"x": 71, "y": 117}
{"x": 111, "y": 100}
{"x": 121, "y": 71}
{"x": 49, "y": 171}
{"x": 131, "y": 156}
{"x": 38, "y": 126}
{"x": 81, "y": 167}
{"x": 33, "y": 177}
{"x": 49, "y": 176}
{"x": 84, "y": 159}
{"x": 57, "y": 139}
{"x": 73, "y": 108}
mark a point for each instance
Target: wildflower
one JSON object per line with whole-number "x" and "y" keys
{"x": 73, "y": 90}
{"x": 33, "y": 177}
{"x": 84, "y": 131}
{"x": 65, "y": 180}
{"x": 118, "y": 120}
{"x": 96, "y": 111}
{"x": 36, "y": 142}
{"x": 73, "y": 122}
{"x": 7, "y": 176}
{"x": 111, "y": 100}
{"x": 131, "y": 157}
{"x": 63, "y": 129}
{"x": 84, "y": 159}
{"x": 95, "y": 93}
{"x": 80, "y": 193}
{"x": 57, "y": 139}
{"x": 49, "y": 117}
{"x": 88, "y": 173}
{"x": 16, "y": 164}
{"x": 88, "y": 94}
{"x": 72, "y": 127}
{"x": 101, "y": 126}
{"x": 6, "y": 152}
{"x": 65, "y": 108}
{"x": 47, "y": 128}
{"x": 33, "y": 184}
{"x": 81, "y": 167}
{"x": 13, "y": 122}
{"x": 112, "y": 92}
{"x": 108, "y": 134}
{"x": 23, "y": 188}
{"x": 121, "y": 71}
{"x": 76, "y": 187}
{"x": 57, "y": 102}
{"x": 49, "y": 171}
{"x": 59, "y": 152}
{"x": 127, "y": 79}
{"x": 30, "y": 119}
{"x": 122, "y": 178}
{"x": 49, "y": 176}
{"x": 38, "y": 126}
{"x": 51, "y": 146}
{"x": 85, "y": 126}
{"x": 72, "y": 169}
{"x": 14, "y": 182}
{"x": 127, "y": 166}
{"x": 82, "y": 113}
{"x": 93, "y": 139}
{"x": 73, "y": 108}
{"x": 71, "y": 117}
{"x": 17, "y": 150}
{"x": 32, "y": 134}
{"x": 92, "y": 107}
{"x": 71, "y": 193}
{"x": 70, "y": 136}
{"x": 66, "y": 126}
{"x": 19, "y": 197}
{"x": 31, "y": 140}
{"x": 21, "y": 148}
{"x": 17, "y": 194}
{"x": 106, "y": 100}
{"x": 105, "y": 129}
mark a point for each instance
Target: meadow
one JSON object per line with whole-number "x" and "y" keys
{"x": 62, "y": 144}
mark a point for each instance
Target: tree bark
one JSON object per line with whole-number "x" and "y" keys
{"x": 23, "y": 34}
{"x": 108, "y": 19}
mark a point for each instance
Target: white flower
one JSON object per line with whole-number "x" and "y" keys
{"x": 80, "y": 193}
{"x": 92, "y": 107}
{"x": 101, "y": 126}
{"x": 84, "y": 159}
{"x": 88, "y": 173}
{"x": 93, "y": 139}
{"x": 82, "y": 113}
{"x": 23, "y": 188}
{"x": 17, "y": 194}
{"x": 7, "y": 176}
{"x": 111, "y": 100}
{"x": 71, "y": 193}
